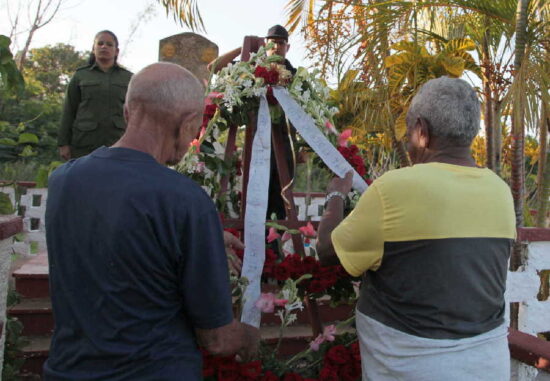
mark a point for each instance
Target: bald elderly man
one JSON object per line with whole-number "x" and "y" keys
{"x": 138, "y": 271}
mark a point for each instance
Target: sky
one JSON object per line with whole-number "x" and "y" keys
{"x": 226, "y": 21}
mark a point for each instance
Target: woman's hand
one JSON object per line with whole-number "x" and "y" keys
{"x": 231, "y": 243}
{"x": 342, "y": 185}
{"x": 65, "y": 152}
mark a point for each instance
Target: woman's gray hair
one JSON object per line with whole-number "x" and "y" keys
{"x": 451, "y": 108}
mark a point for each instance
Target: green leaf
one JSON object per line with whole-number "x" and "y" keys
{"x": 401, "y": 125}
{"x": 276, "y": 226}
{"x": 8, "y": 142}
{"x": 4, "y": 41}
{"x": 27, "y": 152}
{"x": 27, "y": 138}
{"x": 6, "y": 206}
{"x": 453, "y": 65}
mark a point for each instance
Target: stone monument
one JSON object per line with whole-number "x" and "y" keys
{"x": 190, "y": 50}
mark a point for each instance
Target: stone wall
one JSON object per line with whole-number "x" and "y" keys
{"x": 9, "y": 226}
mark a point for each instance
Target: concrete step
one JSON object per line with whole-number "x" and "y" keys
{"x": 31, "y": 279}
{"x": 35, "y": 315}
{"x": 35, "y": 354}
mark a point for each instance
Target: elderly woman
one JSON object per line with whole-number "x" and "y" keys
{"x": 92, "y": 114}
{"x": 432, "y": 242}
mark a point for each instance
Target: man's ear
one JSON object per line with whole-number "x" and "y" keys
{"x": 287, "y": 47}
{"x": 423, "y": 133}
{"x": 126, "y": 114}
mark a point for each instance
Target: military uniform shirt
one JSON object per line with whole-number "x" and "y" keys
{"x": 93, "y": 110}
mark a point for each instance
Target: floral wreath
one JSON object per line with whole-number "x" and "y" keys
{"x": 231, "y": 96}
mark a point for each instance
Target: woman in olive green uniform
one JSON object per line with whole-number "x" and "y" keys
{"x": 92, "y": 114}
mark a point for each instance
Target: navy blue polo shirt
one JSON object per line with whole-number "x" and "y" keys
{"x": 137, "y": 261}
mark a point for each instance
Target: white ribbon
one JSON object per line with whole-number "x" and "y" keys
{"x": 258, "y": 186}
{"x": 305, "y": 126}
{"x": 256, "y": 210}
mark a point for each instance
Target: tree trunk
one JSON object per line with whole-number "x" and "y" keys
{"x": 518, "y": 128}
{"x": 40, "y": 19}
{"x": 497, "y": 133}
{"x": 488, "y": 101}
{"x": 23, "y": 55}
{"x": 543, "y": 175}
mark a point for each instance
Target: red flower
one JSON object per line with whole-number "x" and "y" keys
{"x": 328, "y": 374}
{"x": 270, "y": 256}
{"x": 251, "y": 370}
{"x": 210, "y": 110}
{"x": 282, "y": 272}
{"x": 292, "y": 377}
{"x": 208, "y": 364}
{"x": 228, "y": 370}
{"x": 269, "y": 376}
{"x": 273, "y": 235}
{"x": 310, "y": 265}
{"x": 338, "y": 355}
{"x": 350, "y": 372}
{"x": 356, "y": 161}
{"x": 294, "y": 264}
{"x": 316, "y": 286}
{"x": 272, "y": 77}
{"x": 208, "y": 113}
{"x": 344, "y": 137}
{"x": 308, "y": 230}
{"x": 260, "y": 72}
{"x": 355, "y": 352}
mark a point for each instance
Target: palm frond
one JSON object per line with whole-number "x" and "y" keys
{"x": 186, "y": 12}
{"x": 299, "y": 12}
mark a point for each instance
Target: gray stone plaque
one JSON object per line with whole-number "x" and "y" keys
{"x": 190, "y": 50}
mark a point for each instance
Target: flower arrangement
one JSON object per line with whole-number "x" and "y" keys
{"x": 232, "y": 96}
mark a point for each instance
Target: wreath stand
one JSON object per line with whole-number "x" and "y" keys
{"x": 252, "y": 44}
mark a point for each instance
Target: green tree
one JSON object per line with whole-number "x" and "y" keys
{"x": 53, "y": 66}
{"x": 10, "y": 77}
{"x": 30, "y": 119}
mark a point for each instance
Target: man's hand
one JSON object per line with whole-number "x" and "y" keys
{"x": 231, "y": 243}
{"x": 65, "y": 152}
{"x": 251, "y": 343}
{"x": 233, "y": 338}
{"x": 342, "y": 185}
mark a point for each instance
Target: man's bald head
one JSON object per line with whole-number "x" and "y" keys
{"x": 166, "y": 90}
{"x": 164, "y": 107}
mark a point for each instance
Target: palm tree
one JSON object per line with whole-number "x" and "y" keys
{"x": 503, "y": 30}
{"x": 543, "y": 176}
{"x": 518, "y": 128}
{"x": 186, "y": 12}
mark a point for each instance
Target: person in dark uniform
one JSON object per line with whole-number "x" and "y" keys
{"x": 92, "y": 114}
{"x": 277, "y": 35}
